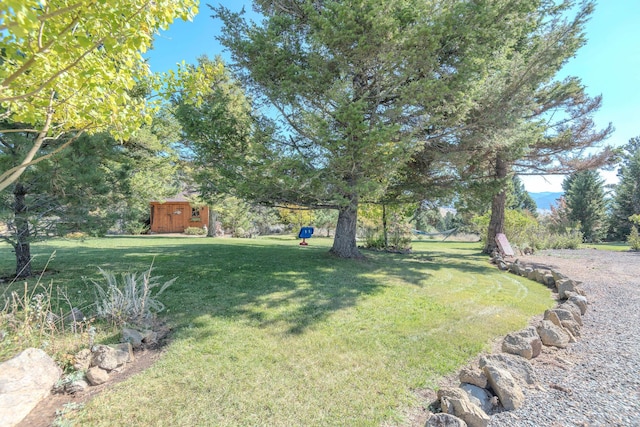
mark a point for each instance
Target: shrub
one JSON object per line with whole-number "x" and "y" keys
{"x": 136, "y": 228}
{"x": 132, "y": 301}
{"x": 524, "y": 231}
{"x": 547, "y": 240}
{"x": 634, "y": 239}
{"x": 374, "y": 241}
{"x": 399, "y": 235}
{"x": 76, "y": 235}
{"x": 521, "y": 228}
{"x": 195, "y": 231}
{"x": 239, "y": 233}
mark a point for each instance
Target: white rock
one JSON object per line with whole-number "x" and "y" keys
{"x": 25, "y": 380}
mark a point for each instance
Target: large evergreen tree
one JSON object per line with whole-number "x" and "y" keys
{"x": 530, "y": 123}
{"x": 586, "y": 204}
{"x": 626, "y": 201}
{"x": 523, "y": 121}
{"x": 357, "y": 86}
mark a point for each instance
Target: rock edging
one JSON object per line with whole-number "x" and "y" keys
{"x": 497, "y": 383}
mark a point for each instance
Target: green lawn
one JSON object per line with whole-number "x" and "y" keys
{"x": 609, "y": 246}
{"x": 270, "y": 333}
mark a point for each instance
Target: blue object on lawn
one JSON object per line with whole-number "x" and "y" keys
{"x": 305, "y": 232}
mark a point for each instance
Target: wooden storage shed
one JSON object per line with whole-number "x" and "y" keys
{"x": 175, "y": 215}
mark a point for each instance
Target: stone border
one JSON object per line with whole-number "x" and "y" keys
{"x": 496, "y": 384}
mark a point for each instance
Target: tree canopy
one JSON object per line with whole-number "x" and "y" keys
{"x": 355, "y": 88}
{"x": 525, "y": 121}
{"x": 77, "y": 66}
{"x": 626, "y": 201}
{"x": 586, "y": 204}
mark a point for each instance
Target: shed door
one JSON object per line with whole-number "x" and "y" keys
{"x": 169, "y": 218}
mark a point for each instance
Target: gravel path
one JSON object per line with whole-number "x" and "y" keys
{"x": 596, "y": 381}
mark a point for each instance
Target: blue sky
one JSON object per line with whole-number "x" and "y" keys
{"x": 609, "y": 65}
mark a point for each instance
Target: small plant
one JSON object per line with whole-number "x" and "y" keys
{"x": 195, "y": 231}
{"x": 136, "y": 228}
{"x": 62, "y": 414}
{"x": 133, "y": 300}
{"x": 399, "y": 235}
{"x": 634, "y": 239}
{"x": 374, "y": 241}
{"x": 76, "y": 235}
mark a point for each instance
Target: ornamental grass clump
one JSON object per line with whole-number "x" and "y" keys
{"x": 133, "y": 301}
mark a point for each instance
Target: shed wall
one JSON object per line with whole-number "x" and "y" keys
{"x": 175, "y": 217}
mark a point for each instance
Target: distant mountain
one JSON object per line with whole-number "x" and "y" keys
{"x": 545, "y": 200}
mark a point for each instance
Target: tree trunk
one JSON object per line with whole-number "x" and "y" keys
{"x": 384, "y": 226}
{"x": 213, "y": 218}
{"x": 22, "y": 246}
{"x": 496, "y": 225}
{"x": 344, "y": 240}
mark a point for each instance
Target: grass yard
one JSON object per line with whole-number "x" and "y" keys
{"x": 270, "y": 333}
{"x": 609, "y": 246}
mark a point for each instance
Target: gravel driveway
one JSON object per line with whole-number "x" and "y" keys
{"x": 596, "y": 381}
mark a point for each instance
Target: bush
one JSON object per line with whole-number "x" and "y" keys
{"x": 135, "y": 228}
{"x": 132, "y": 301}
{"x": 524, "y": 231}
{"x": 634, "y": 239}
{"x": 195, "y": 231}
{"x": 521, "y": 228}
{"x": 547, "y": 240}
{"x": 80, "y": 235}
{"x": 399, "y": 235}
{"x": 374, "y": 241}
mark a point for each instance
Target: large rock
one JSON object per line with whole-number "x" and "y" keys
{"x": 25, "y": 380}
{"x": 580, "y": 301}
{"x": 96, "y": 376}
{"x": 444, "y": 420}
{"x": 515, "y": 268}
{"x": 549, "y": 281}
{"x": 567, "y": 321}
{"x": 505, "y": 386}
{"x": 557, "y": 275}
{"x": 473, "y": 376}
{"x": 77, "y": 386}
{"x": 567, "y": 285}
{"x": 479, "y": 396}
{"x": 570, "y": 327}
{"x": 525, "y": 343}
{"x": 519, "y": 367}
{"x": 112, "y": 357}
{"x": 553, "y": 335}
{"x": 455, "y": 401}
{"x": 82, "y": 360}
{"x": 74, "y": 318}
{"x": 132, "y": 336}
{"x": 574, "y": 309}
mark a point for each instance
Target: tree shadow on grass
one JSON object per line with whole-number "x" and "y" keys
{"x": 263, "y": 284}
